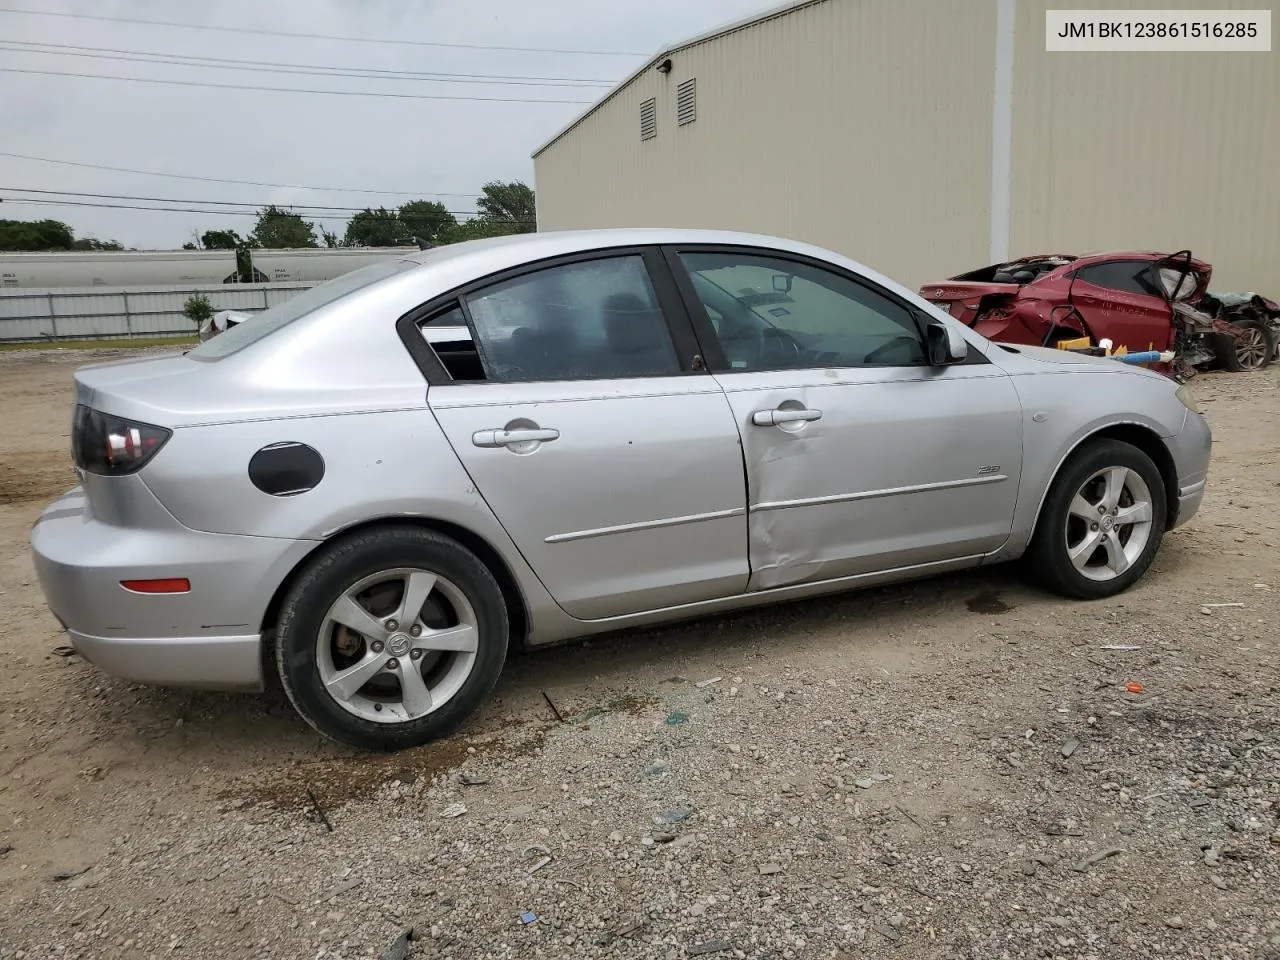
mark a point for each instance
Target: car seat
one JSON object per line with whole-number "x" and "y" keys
{"x": 637, "y": 337}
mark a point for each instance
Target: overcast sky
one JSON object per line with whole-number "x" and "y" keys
{"x": 437, "y": 149}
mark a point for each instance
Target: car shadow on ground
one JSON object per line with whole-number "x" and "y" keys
{"x": 258, "y": 737}
{"x": 608, "y": 662}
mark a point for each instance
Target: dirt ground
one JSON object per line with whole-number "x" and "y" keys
{"x": 947, "y": 769}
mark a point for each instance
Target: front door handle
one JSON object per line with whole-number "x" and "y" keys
{"x": 772, "y": 418}
{"x": 507, "y": 438}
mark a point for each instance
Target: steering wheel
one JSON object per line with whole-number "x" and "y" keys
{"x": 874, "y": 355}
{"x": 785, "y": 349}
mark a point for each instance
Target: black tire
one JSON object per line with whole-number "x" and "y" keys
{"x": 1227, "y": 349}
{"x": 347, "y": 562}
{"x": 1223, "y": 346}
{"x": 1046, "y": 557}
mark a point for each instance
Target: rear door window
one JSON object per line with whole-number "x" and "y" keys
{"x": 592, "y": 319}
{"x": 1127, "y": 276}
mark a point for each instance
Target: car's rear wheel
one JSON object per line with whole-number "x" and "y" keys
{"x": 391, "y": 638}
{"x": 1252, "y": 350}
{"x": 1101, "y": 523}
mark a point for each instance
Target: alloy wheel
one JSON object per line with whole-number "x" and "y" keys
{"x": 397, "y": 645}
{"x": 1108, "y": 523}
{"x": 1251, "y": 348}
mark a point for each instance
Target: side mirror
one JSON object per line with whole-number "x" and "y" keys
{"x": 943, "y": 344}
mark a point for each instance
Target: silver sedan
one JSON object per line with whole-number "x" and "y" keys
{"x": 377, "y": 488}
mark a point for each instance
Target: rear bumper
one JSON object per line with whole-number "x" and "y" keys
{"x": 208, "y": 637}
{"x": 211, "y": 662}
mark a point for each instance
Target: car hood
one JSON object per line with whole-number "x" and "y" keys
{"x": 1053, "y": 357}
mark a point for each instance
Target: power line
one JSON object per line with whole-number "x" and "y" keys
{"x": 333, "y": 93}
{"x": 317, "y": 36}
{"x": 212, "y": 213}
{"x": 247, "y": 183}
{"x": 304, "y": 69}
{"x": 215, "y": 203}
{"x": 128, "y": 206}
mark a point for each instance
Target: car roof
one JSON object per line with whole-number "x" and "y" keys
{"x": 1122, "y": 255}
{"x": 324, "y": 331}
{"x": 552, "y": 243}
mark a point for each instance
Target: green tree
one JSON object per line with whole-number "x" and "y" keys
{"x": 478, "y": 228}
{"x": 198, "y": 308}
{"x": 508, "y": 203}
{"x": 376, "y": 228}
{"x": 427, "y": 220}
{"x": 89, "y": 243}
{"x": 35, "y": 235}
{"x": 279, "y": 229}
{"x": 221, "y": 240}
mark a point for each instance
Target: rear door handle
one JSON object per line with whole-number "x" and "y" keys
{"x": 506, "y": 438}
{"x": 772, "y": 418}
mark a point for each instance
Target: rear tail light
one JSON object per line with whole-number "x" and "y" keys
{"x": 107, "y": 445}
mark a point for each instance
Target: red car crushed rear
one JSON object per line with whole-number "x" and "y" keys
{"x": 1140, "y": 300}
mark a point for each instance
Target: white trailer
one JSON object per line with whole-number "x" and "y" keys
{"x": 316, "y": 266}
{"x": 132, "y": 268}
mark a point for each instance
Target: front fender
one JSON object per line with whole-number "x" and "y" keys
{"x": 1063, "y": 410}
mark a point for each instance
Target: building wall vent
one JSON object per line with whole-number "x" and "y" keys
{"x": 649, "y": 119}
{"x": 687, "y": 102}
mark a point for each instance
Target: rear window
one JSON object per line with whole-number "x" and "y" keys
{"x": 282, "y": 314}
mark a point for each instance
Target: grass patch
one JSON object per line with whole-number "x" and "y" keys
{"x": 114, "y": 343}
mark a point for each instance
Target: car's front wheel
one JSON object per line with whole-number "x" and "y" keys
{"x": 1101, "y": 522}
{"x": 391, "y": 638}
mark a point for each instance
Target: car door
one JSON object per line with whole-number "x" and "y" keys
{"x": 860, "y": 457}
{"x": 608, "y": 454}
{"x": 1119, "y": 301}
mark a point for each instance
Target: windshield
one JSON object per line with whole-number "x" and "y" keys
{"x": 268, "y": 321}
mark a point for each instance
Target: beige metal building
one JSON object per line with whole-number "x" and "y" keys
{"x": 927, "y": 137}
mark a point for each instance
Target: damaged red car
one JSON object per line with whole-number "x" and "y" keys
{"x": 1141, "y": 300}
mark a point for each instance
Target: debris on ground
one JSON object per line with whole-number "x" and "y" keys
{"x": 554, "y": 709}
{"x": 399, "y": 948}
{"x": 318, "y": 810}
{"x": 673, "y": 816}
{"x": 1097, "y": 858}
{"x": 708, "y": 948}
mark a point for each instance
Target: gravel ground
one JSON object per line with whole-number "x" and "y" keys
{"x": 951, "y": 769}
